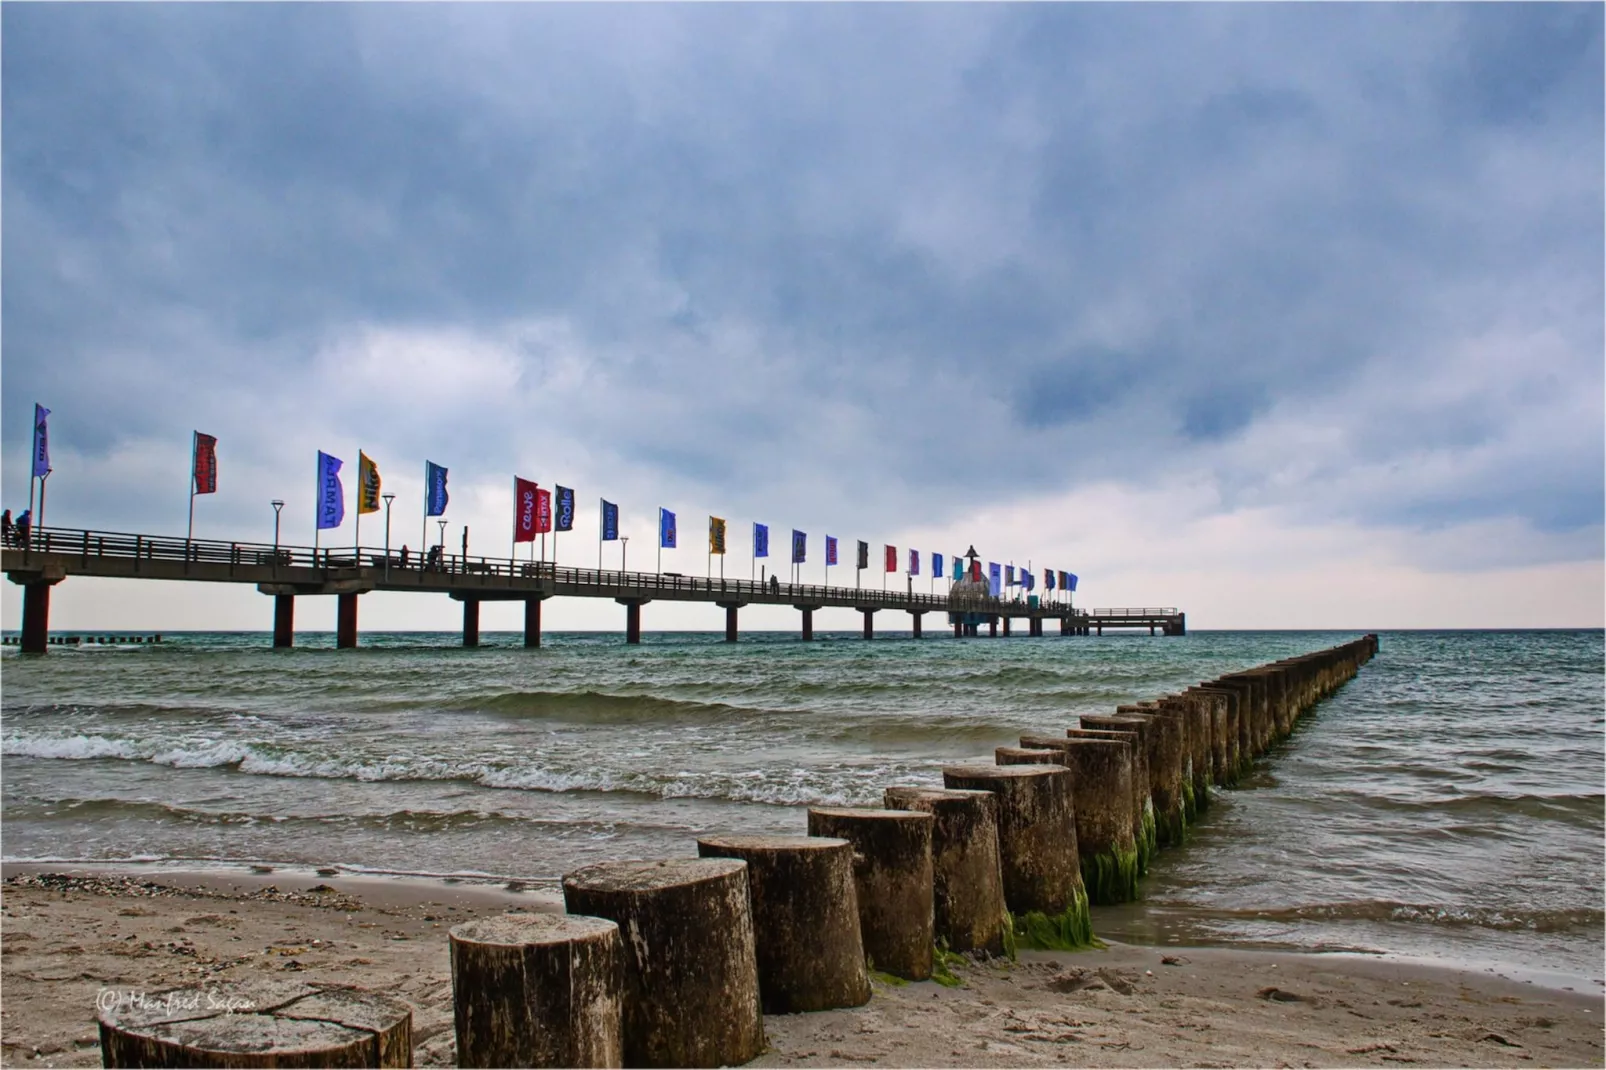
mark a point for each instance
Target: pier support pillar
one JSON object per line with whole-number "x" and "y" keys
{"x": 532, "y": 622}
{"x": 1035, "y": 629}
{"x": 471, "y": 622}
{"x": 284, "y": 621}
{"x": 992, "y": 627}
{"x": 916, "y": 617}
{"x": 632, "y": 619}
{"x": 346, "y": 621}
{"x": 959, "y": 629}
{"x": 730, "y": 609}
{"x": 869, "y": 623}
{"x": 808, "y": 622}
{"x": 36, "y": 616}
{"x": 1065, "y": 626}
{"x": 1007, "y": 630}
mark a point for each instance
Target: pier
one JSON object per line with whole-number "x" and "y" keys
{"x": 346, "y": 573}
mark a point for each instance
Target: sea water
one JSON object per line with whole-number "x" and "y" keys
{"x": 1445, "y": 804}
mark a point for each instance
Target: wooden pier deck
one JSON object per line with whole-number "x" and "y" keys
{"x": 285, "y": 572}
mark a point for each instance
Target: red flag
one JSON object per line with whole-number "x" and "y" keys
{"x": 892, "y": 559}
{"x": 525, "y": 495}
{"x": 543, "y": 511}
{"x": 205, "y": 468}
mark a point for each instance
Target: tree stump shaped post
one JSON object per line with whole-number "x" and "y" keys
{"x": 261, "y": 1024}
{"x": 538, "y": 990}
{"x": 892, "y": 877}
{"x": 967, "y": 878}
{"x": 691, "y": 995}
{"x": 805, "y": 920}
{"x": 1101, "y": 784}
{"x": 1037, "y": 849}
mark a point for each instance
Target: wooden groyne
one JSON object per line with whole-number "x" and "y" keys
{"x": 89, "y": 640}
{"x": 690, "y": 951}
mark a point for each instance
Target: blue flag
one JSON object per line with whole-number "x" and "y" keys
{"x": 936, "y": 565}
{"x": 435, "y": 496}
{"x": 1048, "y": 580}
{"x": 800, "y": 547}
{"x": 1028, "y": 580}
{"x": 761, "y": 540}
{"x": 1072, "y": 577}
{"x": 995, "y": 579}
{"x": 959, "y": 569}
{"x": 331, "y": 495}
{"x": 41, "y": 440}
{"x": 666, "y": 529}
{"x": 610, "y": 521}
{"x": 565, "y": 507}
{"x": 1009, "y": 575}
{"x": 830, "y": 549}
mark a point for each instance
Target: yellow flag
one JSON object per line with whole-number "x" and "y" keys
{"x": 716, "y": 535}
{"x": 367, "y": 484}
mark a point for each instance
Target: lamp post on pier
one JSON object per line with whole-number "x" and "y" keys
{"x": 624, "y": 551}
{"x": 278, "y": 505}
{"x": 388, "y": 499}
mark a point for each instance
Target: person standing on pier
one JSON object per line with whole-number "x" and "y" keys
{"x": 6, "y": 528}
{"x": 24, "y": 522}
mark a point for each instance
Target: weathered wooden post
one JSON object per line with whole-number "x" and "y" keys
{"x": 1101, "y": 784}
{"x": 538, "y": 990}
{"x": 1037, "y": 849}
{"x": 690, "y": 968}
{"x": 805, "y": 919}
{"x": 259, "y": 1024}
{"x": 1142, "y": 808}
{"x": 967, "y": 877}
{"x": 892, "y": 877}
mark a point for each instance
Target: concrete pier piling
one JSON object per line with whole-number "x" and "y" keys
{"x": 805, "y": 919}
{"x": 1037, "y": 849}
{"x": 691, "y": 995}
{"x": 532, "y": 622}
{"x": 894, "y": 883}
{"x": 967, "y": 876}
{"x": 346, "y": 621}
{"x": 284, "y": 621}
{"x": 471, "y": 622}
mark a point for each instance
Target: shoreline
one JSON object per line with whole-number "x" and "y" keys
{"x": 495, "y": 892}
{"x": 71, "y": 930}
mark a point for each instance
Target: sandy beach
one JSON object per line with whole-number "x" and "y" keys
{"x": 71, "y": 932}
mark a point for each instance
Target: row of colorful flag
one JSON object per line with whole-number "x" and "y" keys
{"x": 538, "y": 510}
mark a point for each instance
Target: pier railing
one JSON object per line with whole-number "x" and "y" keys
{"x": 245, "y": 561}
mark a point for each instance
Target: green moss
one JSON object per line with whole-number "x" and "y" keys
{"x": 1009, "y": 935}
{"x": 1148, "y": 838}
{"x": 1065, "y": 932}
{"x": 942, "y": 961}
{"x": 1190, "y": 808}
{"x": 1111, "y": 876}
{"x": 1170, "y": 829}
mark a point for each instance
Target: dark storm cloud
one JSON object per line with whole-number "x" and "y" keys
{"x": 872, "y": 258}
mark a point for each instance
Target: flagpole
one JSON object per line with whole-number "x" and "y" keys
{"x": 423, "y": 540}
{"x": 601, "y": 525}
{"x": 190, "y": 535}
{"x": 317, "y": 515}
{"x": 356, "y": 530}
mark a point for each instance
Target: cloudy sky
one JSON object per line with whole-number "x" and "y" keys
{"x": 1289, "y": 315}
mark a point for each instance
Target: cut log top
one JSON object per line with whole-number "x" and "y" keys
{"x": 521, "y": 930}
{"x": 259, "y": 1024}
{"x": 651, "y": 876}
{"x": 1003, "y": 772}
{"x": 932, "y": 799}
{"x": 771, "y": 843}
{"x": 1093, "y": 743}
{"x": 1041, "y": 741}
{"x": 866, "y": 813}
{"x": 1026, "y": 755}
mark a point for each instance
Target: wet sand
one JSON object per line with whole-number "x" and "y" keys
{"x": 65, "y": 939}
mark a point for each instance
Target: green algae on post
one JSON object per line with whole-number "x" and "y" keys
{"x": 1071, "y": 930}
{"x": 1111, "y": 875}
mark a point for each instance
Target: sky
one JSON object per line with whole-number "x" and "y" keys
{"x": 1288, "y": 315}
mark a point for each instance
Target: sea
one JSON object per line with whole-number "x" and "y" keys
{"x": 1446, "y": 805}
